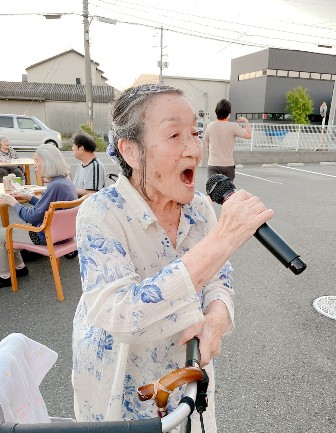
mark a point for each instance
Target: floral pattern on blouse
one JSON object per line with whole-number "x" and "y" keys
{"x": 137, "y": 299}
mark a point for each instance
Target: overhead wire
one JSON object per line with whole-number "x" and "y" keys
{"x": 211, "y": 20}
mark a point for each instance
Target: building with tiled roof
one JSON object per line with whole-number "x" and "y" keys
{"x": 67, "y": 67}
{"x": 53, "y": 90}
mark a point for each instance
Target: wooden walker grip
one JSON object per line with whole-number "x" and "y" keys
{"x": 166, "y": 384}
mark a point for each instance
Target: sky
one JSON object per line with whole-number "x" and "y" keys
{"x": 199, "y": 38}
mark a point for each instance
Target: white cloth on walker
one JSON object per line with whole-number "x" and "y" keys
{"x": 23, "y": 365}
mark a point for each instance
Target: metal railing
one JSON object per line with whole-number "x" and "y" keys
{"x": 270, "y": 136}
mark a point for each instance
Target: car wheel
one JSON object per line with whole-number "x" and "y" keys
{"x": 52, "y": 142}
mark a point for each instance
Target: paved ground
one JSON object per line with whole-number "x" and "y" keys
{"x": 277, "y": 370}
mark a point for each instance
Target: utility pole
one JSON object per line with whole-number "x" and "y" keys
{"x": 331, "y": 120}
{"x": 332, "y": 111}
{"x": 87, "y": 60}
{"x": 161, "y": 64}
{"x": 161, "y": 56}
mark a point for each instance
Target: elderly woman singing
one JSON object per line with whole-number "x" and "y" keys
{"x": 154, "y": 261}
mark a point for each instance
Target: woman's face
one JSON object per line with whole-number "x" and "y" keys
{"x": 4, "y": 145}
{"x": 173, "y": 149}
{"x": 38, "y": 165}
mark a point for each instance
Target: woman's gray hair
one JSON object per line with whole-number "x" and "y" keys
{"x": 127, "y": 121}
{"x": 53, "y": 162}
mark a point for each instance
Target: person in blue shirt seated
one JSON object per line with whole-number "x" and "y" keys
{"x": 48, "y": 163}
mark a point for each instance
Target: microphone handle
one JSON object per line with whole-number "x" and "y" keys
{"x": 279, "y": 248}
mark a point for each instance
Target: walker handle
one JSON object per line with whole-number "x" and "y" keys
{"x": 163, "y": 387}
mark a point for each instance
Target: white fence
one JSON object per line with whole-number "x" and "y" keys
{"x": 270, "y": 136}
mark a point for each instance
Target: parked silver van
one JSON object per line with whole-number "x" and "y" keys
{"x": 27, "y": 132}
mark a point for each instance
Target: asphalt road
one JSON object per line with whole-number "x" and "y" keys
{"x": 276, "y": 373}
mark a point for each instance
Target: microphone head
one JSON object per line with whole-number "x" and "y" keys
{"x": 219, "y": 187}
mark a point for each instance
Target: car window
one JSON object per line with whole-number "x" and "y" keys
{"x": 26, "y": 123}
{"x": 6, "y": 122}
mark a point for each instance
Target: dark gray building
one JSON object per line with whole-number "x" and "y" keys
{"x": 259, "y": 82}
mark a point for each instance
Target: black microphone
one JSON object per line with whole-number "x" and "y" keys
{"x": 220, "y": 188}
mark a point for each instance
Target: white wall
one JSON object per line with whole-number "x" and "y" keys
{"x": 203, "y": 94}
{"x": 62, "y": 116}
{"x": 64, "y": 69}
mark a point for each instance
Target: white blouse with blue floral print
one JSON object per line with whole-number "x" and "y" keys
{"x": 137, "y": 298}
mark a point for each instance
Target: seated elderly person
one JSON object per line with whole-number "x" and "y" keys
{"x": 49, "y": 163}
{"x": 6, "y": 154}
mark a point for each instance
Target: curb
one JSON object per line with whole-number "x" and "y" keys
{"x": 242, "y": 157}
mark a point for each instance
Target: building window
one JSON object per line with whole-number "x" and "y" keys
{"x": 251, "y": 75}
{"x": 276, "y": 117}
{"x": 78, "y": 81}
{"x": 242, "y": 77}
{"x": 282, "y": 73}
{"x": 293, "y": 74}
{"x": 251, "y": 116}
{"x": 273, "y": 117}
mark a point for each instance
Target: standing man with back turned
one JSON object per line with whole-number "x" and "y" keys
{"x": 219, "y": 139}
{"x": 90, "y": 174}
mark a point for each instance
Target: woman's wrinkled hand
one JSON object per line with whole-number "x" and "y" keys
{"x": 7, "y": 199}
{"x": 22, "y": 195}
{"x": 241, "y": 215}
{"x": 216, "y": 322}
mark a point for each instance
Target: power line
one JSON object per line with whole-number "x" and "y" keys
{"x": 151, "y": 8}
{"x": 218, "y": 38}
{"x": 196, "y": 33}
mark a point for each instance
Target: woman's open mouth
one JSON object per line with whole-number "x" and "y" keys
{"x": 187, "y": 177}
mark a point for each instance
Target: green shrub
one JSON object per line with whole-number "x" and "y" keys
{"x": 99, "y": 140}
{"x": 299, "y": 105}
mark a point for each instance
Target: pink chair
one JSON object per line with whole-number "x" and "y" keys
{"x": 58, "y": 226}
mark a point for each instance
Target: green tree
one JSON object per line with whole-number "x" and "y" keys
{"x": 299, "y": 105}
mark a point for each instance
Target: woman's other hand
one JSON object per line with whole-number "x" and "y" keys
{"x": 209, "y": 332}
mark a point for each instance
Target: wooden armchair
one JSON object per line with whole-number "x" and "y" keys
{"x": 59, "y": 224}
